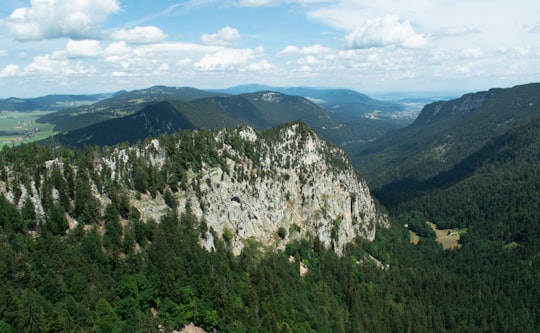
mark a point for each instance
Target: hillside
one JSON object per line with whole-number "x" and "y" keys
{"x": 237, "y": 230}
{"x": 345, "y": 117}
{"x": 445, "y": 133}
{"x": 261, "y": 110}
{"x": 153, "y": 120}
{"x": 493, "y": 190}
{"x": 248, "y": 183}
{"x": 49, "y": 102}
{"x": 347, "y": 105}
{"x": 119, "y": 105}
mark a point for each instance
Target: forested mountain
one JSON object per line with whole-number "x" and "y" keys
{"x": 240, "y": 230}
{"x": 468, "y": 163}
{"x": 120, "y": 105}
{"x": 49, "y": 102}
{"x": 495, "y": 190}
{"x": 346, "y": 105}
{"x": 261, "y": 110}
{"x": 153, "y": 120}
{"x": 147, "y": 238}
{"x": 445, "y": 133}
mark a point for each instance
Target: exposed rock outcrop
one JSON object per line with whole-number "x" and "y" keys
{"x": 270, "y": 187}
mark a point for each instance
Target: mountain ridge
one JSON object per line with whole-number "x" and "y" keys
{"x": 446, "y": 132}
{"x": 245, "y": 185}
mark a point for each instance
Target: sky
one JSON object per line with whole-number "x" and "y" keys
{"x": 94, "y": 46}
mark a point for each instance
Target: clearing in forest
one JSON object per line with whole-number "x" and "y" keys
{"x": 449, "y": 238}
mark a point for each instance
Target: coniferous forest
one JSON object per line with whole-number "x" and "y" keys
{"x": 116, "y": 273}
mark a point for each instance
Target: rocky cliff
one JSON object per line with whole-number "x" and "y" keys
{"x": 270, "y": 187}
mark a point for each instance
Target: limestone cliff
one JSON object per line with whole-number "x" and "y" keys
{"x": 270, "y": 187}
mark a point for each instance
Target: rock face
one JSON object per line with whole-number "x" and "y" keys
{"x": 302, "y": 193}
{"x": 295, "y": 185}
{"x": 445, "y": 109}
{"x": 270, "y": 187}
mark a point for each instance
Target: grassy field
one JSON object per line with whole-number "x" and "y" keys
{"x": 448, "y": 238}
{"x": 21, "y": 127}
{"x": 414, "y": 237}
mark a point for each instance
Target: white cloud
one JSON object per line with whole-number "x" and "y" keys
{"x": 49, "y": 19}
{"x": 313, "y": 49}
{"x": 140, "y": 35}
{"x": 83, "y": 48}
{"x": 227, "y": 60}
{"x": 256, "y": 3}
{"x": 472, "y": 53}
{"x": 4, "y": 53}
{"x": 270, "y": 3}
{"x": 385, "y": 31}
{"x": 455, "y": 31}
{"x": 9, "y": 70}
{"x": 226, "y": 36}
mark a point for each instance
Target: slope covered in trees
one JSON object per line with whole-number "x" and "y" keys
{"x": 445, "y": 133}
{"x": 495, "y": 190}
{"x": 152, "y": 277}
{"x": 116, "y": 273}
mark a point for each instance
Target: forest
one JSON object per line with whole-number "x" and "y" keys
{"x": 114, "y": 272}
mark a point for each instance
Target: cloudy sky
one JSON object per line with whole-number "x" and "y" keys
{"x": 90, "y": 46}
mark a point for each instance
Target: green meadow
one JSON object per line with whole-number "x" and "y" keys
{"x": 21, "y": 127}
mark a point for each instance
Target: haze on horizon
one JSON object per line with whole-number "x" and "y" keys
{"x": 92, "y": 46}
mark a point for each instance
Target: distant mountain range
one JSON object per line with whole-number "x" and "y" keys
{"x": 345, "y": 117}
{"x": 346, "y": 105}
{"x": 260, "y": 110}
{"x": 49, "y": 102}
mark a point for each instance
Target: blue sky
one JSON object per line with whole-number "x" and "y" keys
{"x": 90, "y": 46}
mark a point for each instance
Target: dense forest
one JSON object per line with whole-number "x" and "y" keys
{"x": 114, "y": 272}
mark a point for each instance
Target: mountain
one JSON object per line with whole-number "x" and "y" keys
{"x": 49, "y": 102}
{"x": 244, "y": 184}
{"x": 445, "y": 133}
{"x": 469, "y": 163}
{"x": 119, "y": 105}
{"x": 153, "y": 120}
{"x": 17, "y": 104}
{"x": 237, "y": 230}
{"x": 345, "y": 105}
{"x": 494, "y": 191}
{"x": 261, "y": 110}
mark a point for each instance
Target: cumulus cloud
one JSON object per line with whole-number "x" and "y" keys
{"x": 226, "y": 36}
{"x": 9, "y": 70}
{"x": 83, "y": 48}
{"x": 227, "y": 59}
{"x": 49, "y": 19}
{"x": 313, "y": 49}
{"x": 140, "y": 35}
{"x": 385, "y": 31}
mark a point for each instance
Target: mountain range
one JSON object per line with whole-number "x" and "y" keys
{"x": 197, "y": 218}
{"x": 49, "y": 102}
{"x": 91, "y": 124}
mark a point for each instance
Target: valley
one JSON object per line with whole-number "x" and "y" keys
{"x": 22, "y": 127}
{"x": 266, "y": 211}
